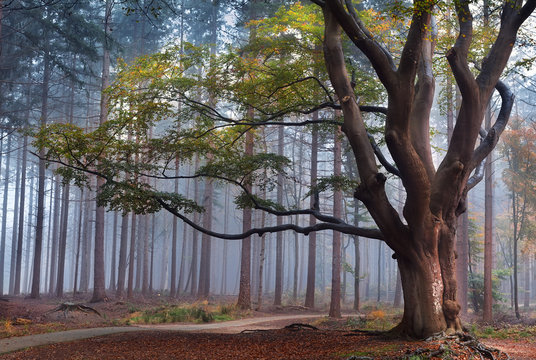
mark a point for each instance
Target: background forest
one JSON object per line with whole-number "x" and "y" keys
{"x": 75, "y": 65}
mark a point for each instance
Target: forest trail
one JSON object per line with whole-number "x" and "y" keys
{"x": 235, "y": 326}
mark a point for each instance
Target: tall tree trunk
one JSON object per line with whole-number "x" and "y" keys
{"x": 28, "y": 243}
{"x": 78, "y": 241}
{"x": 314, "y": 203}
{"x": 122, "y": 269}
{"x": 516, "y": 239}
{"x": 131, "y": 257}
{"x": 526, "y": 292}
{"x": 99, "y": 279}
{"x": 204, "y": 268}
{"x": 335, "y": 305}
{"x": 36, "y": 280}
{"x": 279, "y": 221}
{"x": 244, "y": 293}
{"x": 4, "y": 211}
{"x": 151, "y": 273}
{"x": 145, "y": 281}
{"x": 488, "y": 230}
{"x": 173, "y": 286}
{"x": 64, "y": 217}
{"x": 85, "y": 266}
{"x": 114, "y": 252}
{"x": 21, "y": 169}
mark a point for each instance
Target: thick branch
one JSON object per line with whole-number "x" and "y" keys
{"x": 457, "y": 56}
{"x": 492, "y": 137}
{"x": 411, "y": 53}
{"x": 380, "y": 59}
{"x": 306, "y": 230}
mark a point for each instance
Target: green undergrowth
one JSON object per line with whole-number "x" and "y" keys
{"x": 514, "y": 332}
{"x": 195, "y": 313}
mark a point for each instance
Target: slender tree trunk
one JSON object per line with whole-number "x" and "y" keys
{"x": 36, "y": 280}
{"x": 114, "y": 251}
{"x": 27, "y": 246}
{"x": 204, "y": 268}
{"x": 78, "y": 241}
{"x": 526, "y": 292}
{"x": 516, "y": 236}
{"x": 244, "y": 293}
{"x": 145, "y": 281}
{"x": 261, "y": 258}
{"x": 99, "y": 279}
{"x": 20, "y": 238}
{"x": 173, "y": 286}
{"x": 4, "y": 211}
{"x": 279, "y": 221}
{"x": 64, "y": 217}
{"x": 121, "y": 271}
{"x": 18, "y": 184}
{"x": 131, "y": 259}
{"x": 151, "y": 273}
{"x": 85, "y": 266}
{"x": 335, "y": 305}
{"x": 488, "y": 230}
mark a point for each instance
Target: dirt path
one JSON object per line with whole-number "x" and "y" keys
{"x": 235, "y": 326}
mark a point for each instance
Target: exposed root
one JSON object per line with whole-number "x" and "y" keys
{"x": 461, "y": 341}
{"x": 67, "y": 306}
{"x": 300, "y": 326}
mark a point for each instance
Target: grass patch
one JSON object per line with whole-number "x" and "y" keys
{"x": 196, "y": 313}
{"x": 515, "y": 332}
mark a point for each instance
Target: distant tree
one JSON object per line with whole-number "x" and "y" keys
{"x": 520, "y": 179}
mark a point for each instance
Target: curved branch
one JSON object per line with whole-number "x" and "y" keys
{"x": 378, "y": 152}
{"x": 306, "y": 230}
{"x": 492, "y": 137}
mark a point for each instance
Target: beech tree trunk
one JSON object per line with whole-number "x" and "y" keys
{"x": 424, "y": 245}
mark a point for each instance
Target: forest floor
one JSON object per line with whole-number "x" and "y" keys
{"x": 255, "y": 335}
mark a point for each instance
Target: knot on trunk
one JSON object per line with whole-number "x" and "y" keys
{"x": 451, "y": 310}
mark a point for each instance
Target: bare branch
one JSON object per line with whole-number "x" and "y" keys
{"x": 306, "y": 230}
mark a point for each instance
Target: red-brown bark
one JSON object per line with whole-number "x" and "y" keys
{"x": 425, "y": 246}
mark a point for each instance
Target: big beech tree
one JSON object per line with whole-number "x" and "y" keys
{"x": 286, "y": 83}
{"x": 425, "y": 246}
